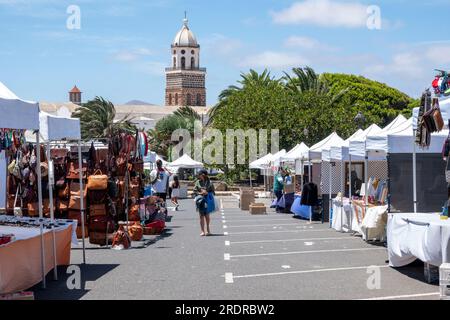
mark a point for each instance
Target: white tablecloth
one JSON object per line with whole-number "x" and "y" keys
{"x": 342, "y": 215}
{"x": 370, "y": 224}
{"x": 418, "y": 236}
{"x": 21, "y": 233}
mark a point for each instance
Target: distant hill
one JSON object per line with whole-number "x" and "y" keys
{"x": 139, "y": 103}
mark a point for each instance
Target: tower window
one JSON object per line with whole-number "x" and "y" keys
{"x": 174, "y": 51}
{"x": 192, "y": 52}
{"x": 176, "y": 99}
{"x": 192, "y": 63}
{"x": 183, "y": 51}
{"x": 199, "y": 99}
{"x": 188, "y": 99}
{"x": 170, "y": 99}
{"x": 174, "y": 62}
{"x": 183, "y": 63}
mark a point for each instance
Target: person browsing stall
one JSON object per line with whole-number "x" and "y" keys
{"x": 161, "y": 186}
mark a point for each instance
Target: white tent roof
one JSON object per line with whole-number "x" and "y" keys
{"x": 315, "y": 153}
{"x": 300, "y": 151}
{"x": 16, "y": 113}
{"x": 186, "y": 162}
{"x": 403, "y": 141}
{"x": 340, "y": 152}
{"x": 262, "y": 163}
{"x": 357, "y": 148}
{"x": 54, "y": 128}
{"x": 276, "y": 158}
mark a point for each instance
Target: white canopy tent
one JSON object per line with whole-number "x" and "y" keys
{"x": 298, "y": 154}
{"x": 23, "y": 115}
{"x": 262, "y": 164}
{"x": 403, "y": 141}
{"x": 186, "y": 162}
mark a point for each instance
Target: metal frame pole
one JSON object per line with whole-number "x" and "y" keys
{"x": 52, "y": 215}
{"x": 41, "y": 215}
{"x": 82, "y": 209}
{"x": 414, "y": 173}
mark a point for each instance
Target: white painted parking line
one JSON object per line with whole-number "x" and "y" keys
{"x": 308, "y": 244}
{"x": 285, "y": 231}
{"x": 229, "y": 278}
{"x": 303, "y": 252}
{"x": 227, "y": 243}
{"x": 263, "y": 225}
{"x": 295, "y": 240}
{"x": 405, "y": 296}
{"x": 225, "y": 233}
{"x": 225, "y": 227}
{"x": 303, "y": 272}
{"x": 264, "y": 220}
{"x": 226, "y": 256}
{"x": 224, "y": 221}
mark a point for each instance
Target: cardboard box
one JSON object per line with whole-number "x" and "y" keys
{"x": 247, "y": 197}
{"x": 258, "y": 208}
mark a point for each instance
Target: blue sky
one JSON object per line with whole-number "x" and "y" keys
{"x": 123, "y": 46}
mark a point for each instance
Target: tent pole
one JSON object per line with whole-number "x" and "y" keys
{"x": 343, "y": 189}
{"x": 41, "y": 216}
{"x": 330, "y": 190}
{"x": 52, "y": 215}
{"x": 80, "y": 167}
{"x": 250, "y": 174}
{"x": 366, "y": 178}
{"x": 414, "y": 173}
{"x": 310, "y": 180}
{"x": 350, "y": 189}
{"x": 303, "y": 174}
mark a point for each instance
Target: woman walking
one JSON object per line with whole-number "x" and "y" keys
{"x": 203, "y": 187}
{"x": 175, "y": 185}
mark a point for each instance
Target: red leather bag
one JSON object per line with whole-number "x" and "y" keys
{"x": 135, "y": 231}
{"x": 133, "y": 214}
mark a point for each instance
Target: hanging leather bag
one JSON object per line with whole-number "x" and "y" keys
{"x": 98, "y": 181}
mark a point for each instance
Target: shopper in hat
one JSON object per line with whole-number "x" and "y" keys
{"x": 203, "y": 186}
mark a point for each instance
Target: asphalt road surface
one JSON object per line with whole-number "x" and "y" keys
{"x": 248, "y": 257}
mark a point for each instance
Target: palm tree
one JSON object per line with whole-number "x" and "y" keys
{"x": 97, "y": 120}
{"x": 307, "y": 80}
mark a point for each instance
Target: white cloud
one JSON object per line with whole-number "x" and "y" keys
{"x": 273, "y": 60}
{"x": 132, "y": 55}
{"x": 325, "y": 13}
{"x": 307, "y": 44}
{"x": 222, "y": 45}
{"x": 439, "y": 55}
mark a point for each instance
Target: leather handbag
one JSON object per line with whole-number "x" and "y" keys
{"x": 62, "y": 205}
{"x": 97, "y": 210}
{"x": 138, "y": 166}
{"x": 98, "y": 181}
{"x": 97, "y": 196}
{"x": 121, "y": 165}
{"x": 135, "y": 189}
{"x": 121, "y": 238}
{"x": 73, "y": 170}
{"x": 33, "y": 209}
{"x": 103, "y": 224}
{"x": 80, "y": 232}
{"x": 75, "y": 202}
{"x": 133, "y": 214}
{"x": 136, "y": 231}
{"x": 64, "y": 192}
{"x": 438, "y": 120}
{"x": 75, "y": 189}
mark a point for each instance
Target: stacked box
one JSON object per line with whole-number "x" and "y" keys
{"x": 258, "y": 208}
{"x": 247, "y": 197}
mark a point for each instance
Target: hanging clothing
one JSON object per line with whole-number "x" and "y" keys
{"x": 310, "y": 194}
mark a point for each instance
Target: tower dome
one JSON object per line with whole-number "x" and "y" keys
{"x": 185, "y": 37}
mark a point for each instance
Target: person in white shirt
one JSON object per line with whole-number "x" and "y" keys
{"x": 161, "y": 186}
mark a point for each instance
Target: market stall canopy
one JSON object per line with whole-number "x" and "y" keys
{"x": 299, "y": 152}
{"x": 337, "y": 153}
{"x": 186, "y": 162}
{"x": 403, "y": 141}
{"x": 262, "y": 163}
{"x": 17, "y": 113}
{"x": 377, "y": 145}
{"x": 315, "y": 153}
{"x": 276, "y": 158}
{"x": 56, "y": 128}
{"x": 357, "y": 149}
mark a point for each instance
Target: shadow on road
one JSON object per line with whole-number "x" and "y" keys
{"x": 59, "y": 290}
